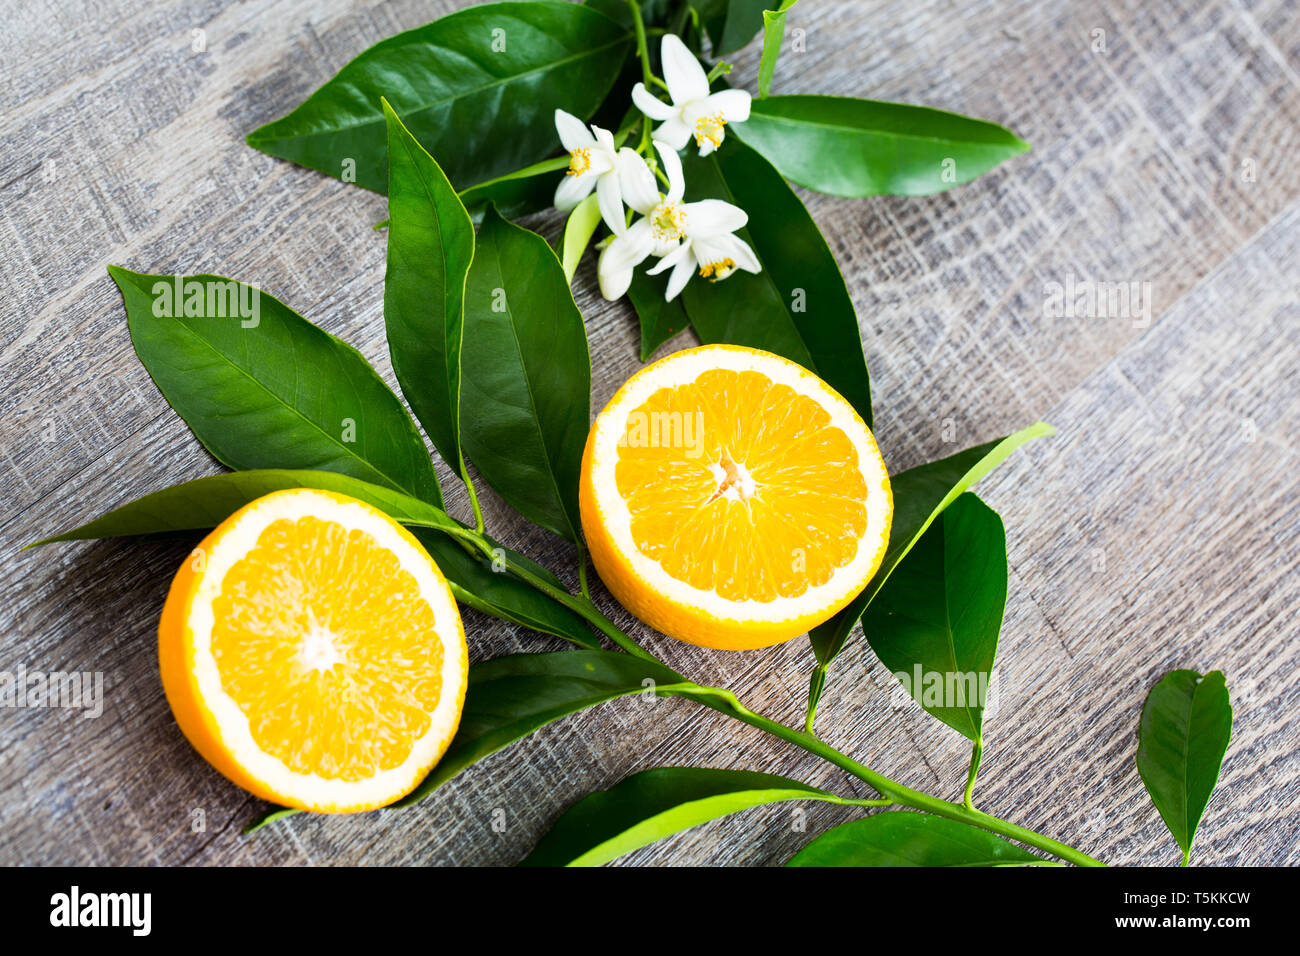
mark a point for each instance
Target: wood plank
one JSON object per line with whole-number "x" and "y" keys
{"x": 1150, "y": 534}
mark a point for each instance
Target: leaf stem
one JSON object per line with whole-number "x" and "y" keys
{"x": 815, "y": 685}
{"x": 976, "y": 753}
{"x": 479, "y": 526}
{"x": 849, "y": 802}
{"x": 642, "y": 51}
{"x": 582, "y": 572}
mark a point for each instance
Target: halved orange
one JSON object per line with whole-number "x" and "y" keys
{"x": 312, "y": 652}
{"x": 732, "y": 499}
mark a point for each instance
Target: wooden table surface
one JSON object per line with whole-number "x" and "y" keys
{"x": 1157, "y": 530}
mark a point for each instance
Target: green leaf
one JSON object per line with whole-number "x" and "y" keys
{"x": 478, "y": 89}
{"x": 798, "y": 306}
{"x": 578, "y": 231}
{"x": 908, "y": 838}
{"x": 1186, "y": 725}
{"x": 659, "y": 320}
{"x": 852, "y": 147}
{"x": 940, "y": 614}
{"x": 731, "y": 24}
{"x": 920, "y": 494}
{"x": 526, "y": 388}
{"x": 430, "y": 248}
{"x": 655, "y": 804}
{"x": 206, "y": 502}
{"x": 270, "y": 390}
{"x": 518, "y": 193}
{"x": 773, "y": 34}
{"x": 494, "y": 590}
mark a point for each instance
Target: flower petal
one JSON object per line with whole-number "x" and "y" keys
{"x": 573, "y": 131}
{"x": 614, "y": 278}
{"x": 669, "y": 261}
{"x": 649, "y": 104}
{"x": 685, "y": 77}
{"x": 663, "y": 247}
{"x": 673, "y": 169}
{"x": 604, "y": 139}
{"x": 728, "y": 247}
{"x": 573, "y": 190}
{"x": 637, "y": 182}
{"x": 620, "y": 257}
{"x": 631, "y": 248}
{"x": 609, "y": 195}
{"x": 673, "y": 132}
{"x": 681, "y": 275}
{"x": 713, "y": 217}
{"x": 743, "y": 255}
{"x": 732, "y": 104}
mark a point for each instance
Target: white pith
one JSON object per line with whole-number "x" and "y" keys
{"x": 683, "y": 368}
{"x": 233, "y": 725}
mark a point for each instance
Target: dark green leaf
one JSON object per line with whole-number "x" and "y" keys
{"x": 798, "y": 306}
{"x": 938, "y": 617}
{"x": 510, "y": 697}
{"x": 920, "y": 494}
{"x": 518, "y": 193}
{"x": 271, "y": 390}
{"x": 430, "y": 248}
{"x": 659, "y": 320}
{"x": 494, "y": 590}
{"x": 206, "y": 502}
{"x": 773, "y": 34}
{"x": 1186, "y": 725}
{"x": 525, "y": 393}
{"x": 908, "y": 838}
{"x": 654, "y": 804}
{"x": 731, "y": 24}
{"x": 478, "y": 89}
{"x": 851, "y": 147}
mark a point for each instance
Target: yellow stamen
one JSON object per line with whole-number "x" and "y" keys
{"x": 714, "y": 271}
{"x": 579, "y": 162}
{"x": 668, "y": 220}
{"x": 709, "y": 129}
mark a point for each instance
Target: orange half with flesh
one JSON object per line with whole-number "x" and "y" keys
{"x": 312, "y": 652}
{"x": 732, "y": 499}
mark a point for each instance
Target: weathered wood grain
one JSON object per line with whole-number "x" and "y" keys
{"x": 1157, "y": 530}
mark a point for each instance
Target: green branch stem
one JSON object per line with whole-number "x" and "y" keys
{"x": 891, "y": 789}
{"x": 642, "y": 51}
{"x": 725, "y": 702}
{"x": 976, "y": 753}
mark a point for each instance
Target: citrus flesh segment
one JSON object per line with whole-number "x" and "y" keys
{"x": 732, "y": 499}
{"x": 313, "y": 653}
